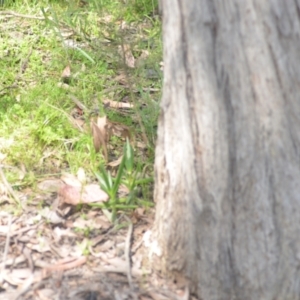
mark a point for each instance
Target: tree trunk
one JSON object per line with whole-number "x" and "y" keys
{"x": 227, "y": 164}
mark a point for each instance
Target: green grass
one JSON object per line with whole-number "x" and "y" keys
{"x": 37, "y": 129}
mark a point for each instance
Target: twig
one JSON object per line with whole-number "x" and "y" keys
{"x": 66, "y": 264}
{"x": 127, "y": 252}
{"x": 77, "y": 102}
{"x": 11, "y": 13}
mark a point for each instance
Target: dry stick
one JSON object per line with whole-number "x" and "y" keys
{"x": 127, "y": 252}
{"x": 78, "y": 102}
{"x": 10, "y": 13}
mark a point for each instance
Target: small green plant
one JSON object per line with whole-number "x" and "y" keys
{"x": 126, "y": 175}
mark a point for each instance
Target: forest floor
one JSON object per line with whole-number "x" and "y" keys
{"x": 80, "y": 83}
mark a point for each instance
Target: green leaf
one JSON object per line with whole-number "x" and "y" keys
{"x": 119, "y": 175}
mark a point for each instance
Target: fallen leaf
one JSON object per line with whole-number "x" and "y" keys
{"x": 70, "y": 194}
{"x": 93, "y": 193}
{"x": 66, "y": 74}
{"x": 75, "y": 195}
{"x": 115, "y": 163}
{"x": 100, "y": 135}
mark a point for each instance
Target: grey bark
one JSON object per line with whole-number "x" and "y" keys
{"x": 227, "y": 165}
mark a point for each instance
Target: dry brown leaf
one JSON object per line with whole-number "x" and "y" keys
{"x": 100, "y": 135}
{"x": 75, "y": 195}
{"x": 115, "y": 104}
{"x": 66, "y": 74}
{"x": 127, "y": 55}
{"x": 140, "y": 211}
{"x": 70, "y": 194}
{"x": 115, "y": 163}
{"x": 93, "y": 193}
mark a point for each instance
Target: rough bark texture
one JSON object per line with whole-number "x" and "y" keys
{"x": 228, "y": 151}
